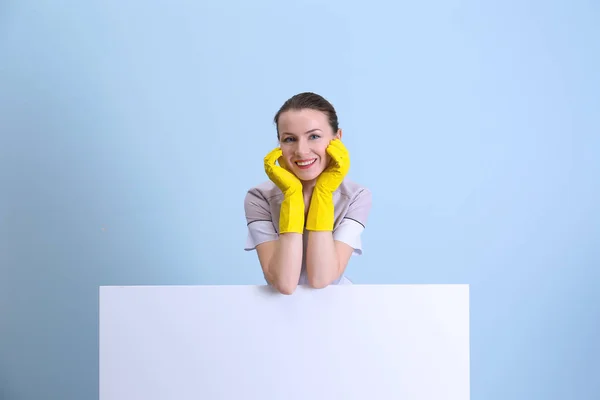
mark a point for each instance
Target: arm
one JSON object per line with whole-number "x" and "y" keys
{"x": 281, "y": 261}
{"x": 328, "y": 253}
{"x": 280, "y": 255}
{"x": 326, "y": 258}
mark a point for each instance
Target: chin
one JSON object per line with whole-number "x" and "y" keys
{"x": 307, "y": 180}
{"x": 307, "y": 176}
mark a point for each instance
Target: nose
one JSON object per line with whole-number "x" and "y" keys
{"x": 302, "y": 147}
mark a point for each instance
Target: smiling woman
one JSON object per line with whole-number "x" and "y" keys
{"x": 306, "y": 221}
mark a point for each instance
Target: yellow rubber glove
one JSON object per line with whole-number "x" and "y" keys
{"x": 291, "y": 215}
{"x": 321, "y": 213}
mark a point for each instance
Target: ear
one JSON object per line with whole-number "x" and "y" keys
{"x": 338, "y": 135}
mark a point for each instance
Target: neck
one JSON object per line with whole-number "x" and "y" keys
{"x": 308, "y": 186}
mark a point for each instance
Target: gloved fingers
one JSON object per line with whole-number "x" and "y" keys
{"x": 337, "y": 143}
{"x": 273, "y": 156}
{"x": 337, "y": 151}
{"x": 336, "y": 147}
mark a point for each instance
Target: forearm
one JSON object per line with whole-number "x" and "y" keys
{"x": 284, "y": 267}
{"x": 322, "y": 262}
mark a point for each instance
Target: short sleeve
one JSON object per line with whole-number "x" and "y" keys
{"x": 354, "y": 221}
{"x": 258, "y": 220}
{"x": 360, "y": 207}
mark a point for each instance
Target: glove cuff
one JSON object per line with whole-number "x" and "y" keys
{"x": 321, "y": 213}
{"x": 291, "y": 215}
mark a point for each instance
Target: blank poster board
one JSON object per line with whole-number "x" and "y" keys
{"x": 408, "y": 342}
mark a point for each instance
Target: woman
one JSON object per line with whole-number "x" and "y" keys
{"x": 306, "y": 222}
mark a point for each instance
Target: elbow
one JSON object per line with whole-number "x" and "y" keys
{"x": 318, "y": 282}
{"x": 322, "y": 279}
{"x": 285, "y": 286}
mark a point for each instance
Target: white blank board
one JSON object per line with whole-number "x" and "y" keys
{"x": 408, "y": 342}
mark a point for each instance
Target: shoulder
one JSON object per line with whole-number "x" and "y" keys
{"x": 261, "y": 217}
{"x": 353, "y": 191}
{"x": 353, "y": 207}
{"x": 266, "y": 190}
{"x": 259, "y": 200}
{"x": 353, "y": 202}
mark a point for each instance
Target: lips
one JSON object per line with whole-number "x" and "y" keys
{"x": 304, "y": 164}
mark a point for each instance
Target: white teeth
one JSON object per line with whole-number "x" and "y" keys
{"x": 305, "y": 163}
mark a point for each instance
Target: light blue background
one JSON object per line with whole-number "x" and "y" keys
{"x": 130, "y": 132}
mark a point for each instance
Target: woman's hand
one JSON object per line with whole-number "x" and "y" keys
{"x": 284, "y": 179}
{"x": 291, "y": 215}
{"x": 334, "y": 174}
{"x": 321, "y": 214}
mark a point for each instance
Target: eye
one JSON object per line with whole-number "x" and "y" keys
{"x": 288, "y": 139}
{"x": 314, "y": 136}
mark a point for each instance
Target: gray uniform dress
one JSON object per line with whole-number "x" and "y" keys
{"x": 352, "y": 204}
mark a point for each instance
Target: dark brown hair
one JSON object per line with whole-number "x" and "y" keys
{"x": 311, "y": 101}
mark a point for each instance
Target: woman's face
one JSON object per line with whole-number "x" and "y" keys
{"x": 303, "y": 137}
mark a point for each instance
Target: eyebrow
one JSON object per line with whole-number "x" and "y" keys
{"x": 306, "y": 133}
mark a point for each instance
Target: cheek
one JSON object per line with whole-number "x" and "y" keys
{"x": 285, "y": 153}
{"x": 326, "y": 157}
{"x": 286, "y": 156}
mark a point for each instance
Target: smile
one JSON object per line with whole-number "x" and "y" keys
{"x": 305, "y": 163}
